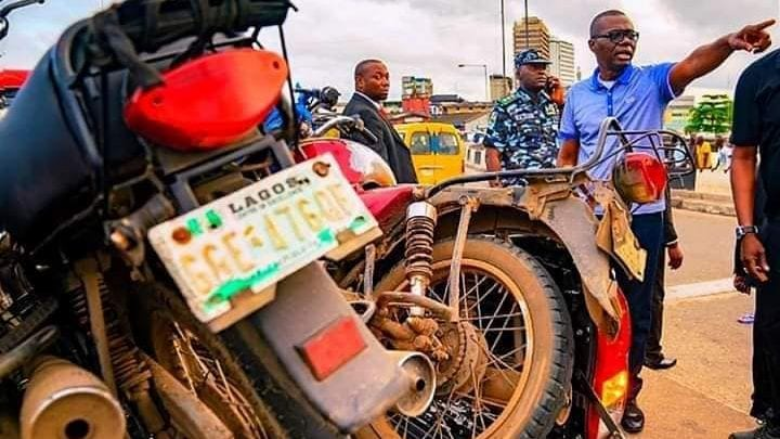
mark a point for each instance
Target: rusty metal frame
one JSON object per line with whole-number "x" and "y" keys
{"x": 550, "y": 206}
{"x": 468, "y": 205}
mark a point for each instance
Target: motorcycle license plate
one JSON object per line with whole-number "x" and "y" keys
{"x": 251, "y": 239}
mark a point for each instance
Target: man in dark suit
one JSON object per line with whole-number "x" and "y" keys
{"x": 372, "y": 84}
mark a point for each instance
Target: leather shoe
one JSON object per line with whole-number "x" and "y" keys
{"x": 633, "y": 419}
{"x": 764, "y": 432}
{"x": 661, "y": 363}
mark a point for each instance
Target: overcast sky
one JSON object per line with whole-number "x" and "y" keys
{"x": 431, "y": 37}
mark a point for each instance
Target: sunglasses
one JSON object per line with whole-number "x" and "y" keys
{"x": 617, "y": 36}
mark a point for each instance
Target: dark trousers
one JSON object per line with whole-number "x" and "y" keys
{"x": 653, "y": 351}
{"x": 649, "y": 231}
{"x": 767, "y": 322}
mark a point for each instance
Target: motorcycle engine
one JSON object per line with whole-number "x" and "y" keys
{"x": 22, "y": 311}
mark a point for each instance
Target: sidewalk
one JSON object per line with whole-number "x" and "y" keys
{"x": 712, "y": 195}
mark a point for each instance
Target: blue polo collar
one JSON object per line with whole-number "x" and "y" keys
{"x": 623, "y": 79}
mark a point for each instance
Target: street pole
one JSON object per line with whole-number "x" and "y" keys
{"x": 527, "y": 37}
{"x": 503, "y": 39}
{"x": 487, "y": 83}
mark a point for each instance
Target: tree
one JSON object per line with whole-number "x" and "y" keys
{"x": 711, "y": 115}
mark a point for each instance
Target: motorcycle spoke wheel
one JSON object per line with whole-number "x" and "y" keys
{"x": 180, "y": 351}
{"x": 494, "y": 306}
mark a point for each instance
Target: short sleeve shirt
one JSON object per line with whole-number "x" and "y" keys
{"x": 524, "y": 130}
{"x": 757, "y": 122}
{"x": 638, "y": 100}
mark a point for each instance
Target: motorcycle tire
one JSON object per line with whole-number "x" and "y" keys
{"x": 173, "y": 337}
{"x": 541, "y": 391}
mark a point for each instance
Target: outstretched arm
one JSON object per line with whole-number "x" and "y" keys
{"x": 752, "y": 38}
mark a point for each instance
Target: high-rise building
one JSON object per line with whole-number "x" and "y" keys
{"x": 538, "y": 36}
{"x": 500, "y": 86}
{"x": 562, "y": 57}
{"x": 414, "y": 87}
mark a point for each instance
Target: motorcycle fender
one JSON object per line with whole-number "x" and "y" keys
{"x": 307, "y": 304}
{"x": 576, "y": 226}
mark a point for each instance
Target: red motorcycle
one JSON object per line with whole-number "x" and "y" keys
{"x": 508, "y": 291}
{"x": 159, "y": 271}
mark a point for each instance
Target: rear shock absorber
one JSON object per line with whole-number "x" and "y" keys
{"x": 420, "y": 228}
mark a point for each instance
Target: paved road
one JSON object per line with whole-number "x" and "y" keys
{"x": 708, "y": 394}
{"x": 708, "y": 244}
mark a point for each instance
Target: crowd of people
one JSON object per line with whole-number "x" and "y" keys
{"x": 709, "y": 156}
{"x": 534, "y": 128}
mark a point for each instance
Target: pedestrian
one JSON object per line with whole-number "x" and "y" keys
{"x": 637, "y": 97}
{"x": 720, "y": 158}
{"x": 654, "y": 355}
{"x": 728, "y": 153}
{"x": 703, "y": 152}
{"x": 523, "y": 128}
{"x": 754, "y": 131}
{"x": 372, "y": 85}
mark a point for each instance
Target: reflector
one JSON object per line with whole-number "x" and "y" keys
{"x": 332, "y": 347}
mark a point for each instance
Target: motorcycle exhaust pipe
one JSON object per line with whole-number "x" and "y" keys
{"x": 421, "y": 376}
{"x": 66, "y": 401}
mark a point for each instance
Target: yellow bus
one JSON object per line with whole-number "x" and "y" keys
{"x": 438, "y": 152}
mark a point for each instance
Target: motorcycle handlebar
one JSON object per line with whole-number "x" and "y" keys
{"x": 151, "y": 24}
{"x": 349, "y": 122}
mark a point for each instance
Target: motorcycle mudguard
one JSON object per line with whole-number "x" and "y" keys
{"x": 306, "y": 304}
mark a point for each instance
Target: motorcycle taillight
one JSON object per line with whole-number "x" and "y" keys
{"x": 639, "y": 178}
{"x": 210, "y": 102}
{"x": 611, "y": 379}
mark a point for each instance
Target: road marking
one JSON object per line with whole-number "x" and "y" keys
{"x": 701, "y": 289}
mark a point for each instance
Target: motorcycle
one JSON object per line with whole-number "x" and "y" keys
{"x": 508, "y": 291}
{"x": 159, "y": 274}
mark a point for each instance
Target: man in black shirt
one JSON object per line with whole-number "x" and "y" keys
{"x": 757, "y": 130}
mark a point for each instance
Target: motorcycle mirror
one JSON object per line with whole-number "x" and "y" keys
{"x": 3, "y": 27}
{"x": 677, "y": 157}
{"x": 6, "y": 10}
{"x": 329, "y": 96}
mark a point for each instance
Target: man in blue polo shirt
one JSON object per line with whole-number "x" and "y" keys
{"x": 637, "y": 97}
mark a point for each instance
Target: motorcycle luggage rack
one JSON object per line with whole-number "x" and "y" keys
{"x": 610, "y": 127}
{"x": 181, "y": 188}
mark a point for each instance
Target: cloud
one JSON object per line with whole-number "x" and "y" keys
{"x": 431, "y": 37}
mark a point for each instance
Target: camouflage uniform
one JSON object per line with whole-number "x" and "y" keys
{"x": 524, "y": 131}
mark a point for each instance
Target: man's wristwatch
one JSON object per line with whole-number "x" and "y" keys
{"x": 746, "y": 230}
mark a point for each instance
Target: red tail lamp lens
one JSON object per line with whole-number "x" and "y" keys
{"x": 210, "y": 102}
{"x": 611, "y": 378}
{"x": 640, "y": 178}
{"x": 332, "y": 348}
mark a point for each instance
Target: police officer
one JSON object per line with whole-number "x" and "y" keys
{"x": 523, "y": 127}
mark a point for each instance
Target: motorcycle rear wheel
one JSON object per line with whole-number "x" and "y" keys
{"x": 195, "y": 356}
{"x": 516, "y": 308}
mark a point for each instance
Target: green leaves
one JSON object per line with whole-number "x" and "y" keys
{"x": 711, "y": 115}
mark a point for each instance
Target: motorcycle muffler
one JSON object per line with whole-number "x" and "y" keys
{"x": 421, "y": 376}
{"x": 66, "y": 401}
